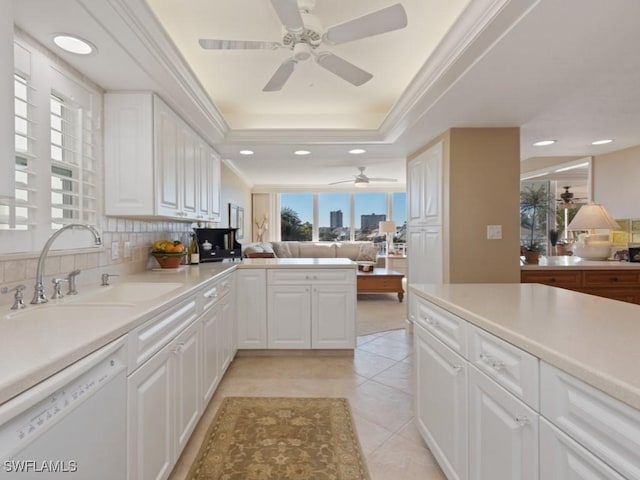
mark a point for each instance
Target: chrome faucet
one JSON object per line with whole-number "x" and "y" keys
{"x": 38, "y": 295}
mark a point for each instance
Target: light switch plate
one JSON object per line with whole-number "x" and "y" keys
{"x": 115, "y": 247}
{"x": 127, "y": 249}
{"x": 494, "y": 232}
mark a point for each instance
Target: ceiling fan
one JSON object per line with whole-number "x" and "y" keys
{"x": 361, "y": 180}
{"x": 567, "y": 198}
{"x": 303, "y": 34}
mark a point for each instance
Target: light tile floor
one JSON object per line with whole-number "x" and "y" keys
{"x": 377, "y": 380}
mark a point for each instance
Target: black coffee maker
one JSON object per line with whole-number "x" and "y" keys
{"x": 216, "y": 244}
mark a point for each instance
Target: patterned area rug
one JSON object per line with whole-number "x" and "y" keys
{"x": 265, "y": 438}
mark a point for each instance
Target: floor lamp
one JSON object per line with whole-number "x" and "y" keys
{"x": 388, "y": 227}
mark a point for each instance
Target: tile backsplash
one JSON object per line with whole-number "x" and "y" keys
{"x": 20, "y": 268}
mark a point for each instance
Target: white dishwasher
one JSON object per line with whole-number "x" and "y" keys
{"x": 71, "y": 425}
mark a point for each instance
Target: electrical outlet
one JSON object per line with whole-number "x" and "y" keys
{"x": 115, "y": 250}
{"x": 127, "y": 249}
{"x": 494, "y": 232}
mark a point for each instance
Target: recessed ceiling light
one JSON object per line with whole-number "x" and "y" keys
{"x": 73, "y": 44}
{"x": 544, "y": 143}
{"x": 302, "y": 152}
{"x": 357, "y": 151}
{"x": 602, "y": 142}
{"x": 246, "y": 152}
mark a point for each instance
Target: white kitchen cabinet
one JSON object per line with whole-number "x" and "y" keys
{"x": 503, "y": 433}
{"x": 441, "y": 402}
{"x": 251, "y": 308}
{"x": 164, "y": 406}
{"x": 289, "y": 316}
{"x": 426, "y": 254}
{"x": 146, "y": 139}
{"x": 425, "y": 184}
{"x": 562, "y": 458}
{"x": 311, "y": 308}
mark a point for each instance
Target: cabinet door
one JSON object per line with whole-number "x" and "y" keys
{"x": 415, "y": 191}
{"x": 211, "y": 345}
{"x": 441, "y": 402}
{"x": 333, "y": 317}
{"x": 189, "y": 195}
{"x": 203, "y": 179}
{"x": 214, "y": 185}
{"x": 289, "y": 316}
{"x": 561, "y": 458}
{"x": 503, "y": 433}
{"x": 168, "y": 160}
{"x": 251, "y": 308}
{"x": 226, "y": 314}
{"x": 425, "y": 247}
{"x": 150, "y": 403}
{"x": 188, "y": 402}
{"x": 433, "y": 185}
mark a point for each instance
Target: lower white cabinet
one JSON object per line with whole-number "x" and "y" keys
{"x": 562, "y": 458}
{"x": 503, "y": 433}
{"x": 289, "y": 316}
{"x": 251, "y": 308}
{"x": 441, "y": 403}
{"x": 163, "y": 407}
{"x": 333, "y": 314}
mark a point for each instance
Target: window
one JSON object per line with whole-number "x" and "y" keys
{"x": 334, "y": 220}
{"x": 370, "y": 209}
{"x": 296, "y": 216}
{"x": 57, "y": 145}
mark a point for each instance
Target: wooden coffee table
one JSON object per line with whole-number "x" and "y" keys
{"x": 381, "y": 280}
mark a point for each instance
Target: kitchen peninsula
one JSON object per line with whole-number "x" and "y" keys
{"x": 531, "y": 381}
{"x": 610, "y": 279}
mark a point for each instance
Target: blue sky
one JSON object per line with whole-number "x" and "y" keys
{"x": 365, "y": 203}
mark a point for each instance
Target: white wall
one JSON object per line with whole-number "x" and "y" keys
{"x": 235, "y": 190}
{"x": 616, "y": 182}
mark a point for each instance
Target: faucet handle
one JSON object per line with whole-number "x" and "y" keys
{"x": 18, "y": 299}
{"x": 56, "y": 287}
{"x": 105, "y": 278}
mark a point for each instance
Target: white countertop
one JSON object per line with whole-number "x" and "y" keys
{"x": 571, "y": 262}
{"x": 38, "y": 341}
{"x": 594, "y": 339}
{"x": 297, "y": 263}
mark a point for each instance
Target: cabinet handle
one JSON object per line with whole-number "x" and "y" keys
{"x": 431, "y": 322}
{"x": 552, "y": 280}
{"x": 492, "y": 362}
{"x": 457, "y": 369}
{"x": 614, "y": 279}
{"x": 212, "y": 295}
{"x": 178, "y": 347}
{"x": 522, "y": 420}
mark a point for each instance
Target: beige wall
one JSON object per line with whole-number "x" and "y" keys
{"x": 236, "y": 191}
{"x": 484, "y": 186}
{"x": 616, "y": 183}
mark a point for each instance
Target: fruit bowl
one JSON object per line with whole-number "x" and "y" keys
{"x": 169, "y": 259}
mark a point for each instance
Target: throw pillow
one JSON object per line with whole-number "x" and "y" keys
{"x": 260, "y": 255}
{"x": 368, "y": 253}
{"x": 281, "y": 249}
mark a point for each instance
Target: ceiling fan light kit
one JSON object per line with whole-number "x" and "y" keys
{"x": 303, "y": 34}
{"x": 362, "y": 181}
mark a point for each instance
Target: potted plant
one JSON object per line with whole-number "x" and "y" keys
{"x": 534, "y": 205}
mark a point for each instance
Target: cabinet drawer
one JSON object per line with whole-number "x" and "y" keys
{"x": 566, "y": 279}
{"x": 609, "y": 278}
{"x": 445, "y": 326}
{"x": 511, "y": 367}
{"x": 215, "y": 291}
{"x": 151, "y": 336}
{"x": 607, "y": 427}
{"x": 295, "y": 276}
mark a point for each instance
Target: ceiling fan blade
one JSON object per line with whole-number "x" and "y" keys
{"x": 281, "y": 76}
{"x": 345, "y": 70}
{"x": 381, "y": 21}
{"x": 211, "y": 44}
{"x": 383, "y": 179}
{"x": 344, "y": 181}
{"x": 289, "y": 15}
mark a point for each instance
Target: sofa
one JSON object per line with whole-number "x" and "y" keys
{"x": 356, "y": 251}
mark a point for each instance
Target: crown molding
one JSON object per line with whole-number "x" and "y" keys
{"x": 304, "y": 136}
{"x": 239, "y": 173}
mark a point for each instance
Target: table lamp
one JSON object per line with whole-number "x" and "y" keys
{"x": 591, "y": 246}
{"x": 388, "y": 227}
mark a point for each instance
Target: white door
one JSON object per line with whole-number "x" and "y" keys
{"x": 333, "y": 316}
{"x": 441, "y": 402}
{"x": 189, "y": 191}
{"x": 432, "y": 257}
{"x": 150, "y": 403}
{"x": 289, "y": 314}
{"x": 417, "y": 256}
{"x": 433, "y": 184}
{"x": 562, "y": 458}
{"x": 187, "y": 384}
{"x": 167, "y": 160}
{"x": 415, "y": 191}
{"x": 214, "y": 194}
{"x": 503, "y": 433}
{"x": 251, "y": 308}
{"x": 203, "y": 179}
{"x": 226, "y": 347}
{"x": 211, "y": 341}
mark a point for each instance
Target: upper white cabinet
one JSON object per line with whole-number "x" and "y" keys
{"x": 424, "y": 184}
{"x": 145, "y": 140}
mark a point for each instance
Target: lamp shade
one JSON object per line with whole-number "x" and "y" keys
{"x": 593, "y": 217}
{"x": 387, "y": 226}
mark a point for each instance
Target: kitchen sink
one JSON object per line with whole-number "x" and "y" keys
{"x": 65, "y": 313}
{"x": 125, "y": 293}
